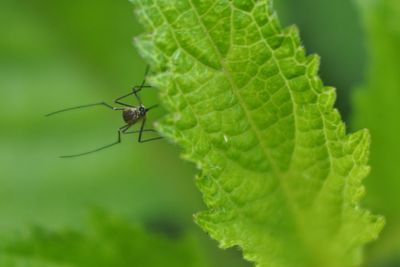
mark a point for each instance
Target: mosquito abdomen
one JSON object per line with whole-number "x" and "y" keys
{"x": 131, "y": 115}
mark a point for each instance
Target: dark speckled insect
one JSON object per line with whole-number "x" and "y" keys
{"x": 130, "y": 114}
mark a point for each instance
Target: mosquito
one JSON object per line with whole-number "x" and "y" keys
{"x": 130, "y": 114}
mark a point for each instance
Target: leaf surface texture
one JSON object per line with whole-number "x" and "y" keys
{"x": 279, "y": 175}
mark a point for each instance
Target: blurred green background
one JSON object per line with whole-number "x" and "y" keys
{"x": 56, "y": 54}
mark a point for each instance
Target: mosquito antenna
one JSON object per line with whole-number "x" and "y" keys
{"x": 79, "y": 107}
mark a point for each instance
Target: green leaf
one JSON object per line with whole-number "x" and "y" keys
{"x": 280, "y": 177}
{"x": 109, "y": 242}
{"x": 376, "y": 106}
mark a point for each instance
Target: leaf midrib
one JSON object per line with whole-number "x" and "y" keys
{"x": 281, "y": 176}
{"x": 278, "y": 173}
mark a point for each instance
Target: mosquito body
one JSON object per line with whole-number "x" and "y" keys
{"x": 130, "y": 114}
{"x": 133, "y": 115}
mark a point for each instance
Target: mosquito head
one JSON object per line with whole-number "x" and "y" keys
{"x": 142, "y": 111}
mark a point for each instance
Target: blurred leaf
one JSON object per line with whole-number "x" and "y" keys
{"x": 45, "y": 67}
{"x": 109, "y": 241}
{"x": 334, "y": 32}
{"x": 376, "y": 106}
{"x": 281, "y": 178}
{"x": 61, "y": 53}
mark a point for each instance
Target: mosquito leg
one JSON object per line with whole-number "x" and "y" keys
{"x": 140, "y": 140}
{"x": 124, "y": 129}
{"x": 138, "y": 131}
{"x": 121, "y": 129}
{"x": 151, "y": 107}
{"x": 121, "y": 97}
{"x": 83, "y": 106}
{"x": 137, "y": 89}
{"x": 135, "y": 93}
